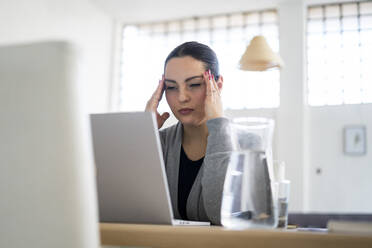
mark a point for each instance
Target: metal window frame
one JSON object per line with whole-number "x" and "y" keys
{"x": 324, "y": 18}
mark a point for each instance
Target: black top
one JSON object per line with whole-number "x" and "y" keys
{"x": 187, "y": 173}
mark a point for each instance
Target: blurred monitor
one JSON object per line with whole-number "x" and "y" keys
{"x": 47, "y": 186}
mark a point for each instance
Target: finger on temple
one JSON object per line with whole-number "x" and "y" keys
{"x": 216, "y": 86}
{"x": 213, "y": 84}
{"x": 159, "y": 90}
{"x": 161, "y": 85}
{"x": 207, "y": 82}
{"x": 156, "y": 90}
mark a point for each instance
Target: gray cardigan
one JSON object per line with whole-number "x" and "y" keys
{"x": 204, "y": 201}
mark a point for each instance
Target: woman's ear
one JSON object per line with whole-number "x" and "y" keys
{"x": 220, "y": 82}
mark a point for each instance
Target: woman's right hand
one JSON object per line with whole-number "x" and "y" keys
{"x": 153, "y": 103}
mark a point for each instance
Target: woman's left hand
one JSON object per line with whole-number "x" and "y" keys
{"x": 213, "y": 103}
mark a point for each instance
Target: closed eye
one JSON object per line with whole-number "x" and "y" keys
{"x": 170, "y": 88}
{"x": 195, "y": 85}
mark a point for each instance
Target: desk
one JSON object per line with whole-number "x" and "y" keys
{"x": 163, "y": 236}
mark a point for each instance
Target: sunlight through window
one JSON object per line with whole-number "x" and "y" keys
{"x": 145, "y": 47}
{"x": 339, "y": 48}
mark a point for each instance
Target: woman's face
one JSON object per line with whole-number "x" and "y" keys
{"x": 185, "y": 89}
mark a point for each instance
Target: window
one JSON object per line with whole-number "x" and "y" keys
{"x": 339, "y": 48}
{"x": 145, "y": 47}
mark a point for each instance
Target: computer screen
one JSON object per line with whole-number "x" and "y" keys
{"x": 47, "y": 184}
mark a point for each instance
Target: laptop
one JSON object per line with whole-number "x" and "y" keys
{"x": 131, "y": 180}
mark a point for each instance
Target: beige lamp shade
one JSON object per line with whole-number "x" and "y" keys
{"x": 259, "y": 57}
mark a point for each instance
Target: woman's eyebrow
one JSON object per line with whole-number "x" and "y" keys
{"x": 186, "y": 80}
{"x": 170, "y": 81}
{"x": 191, "y": 78}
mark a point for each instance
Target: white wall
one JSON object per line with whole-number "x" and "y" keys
{"x": 344, "y": 184}
{"x": 80, "y": 22}
{"x": 291, "y": 113}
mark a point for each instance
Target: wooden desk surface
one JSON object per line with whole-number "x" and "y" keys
{"x": 164, "y": 236}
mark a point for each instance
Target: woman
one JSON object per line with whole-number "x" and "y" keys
{"x": 195, "y": 148}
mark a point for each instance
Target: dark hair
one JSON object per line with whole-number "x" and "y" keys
{"x": 199, "y": 52}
